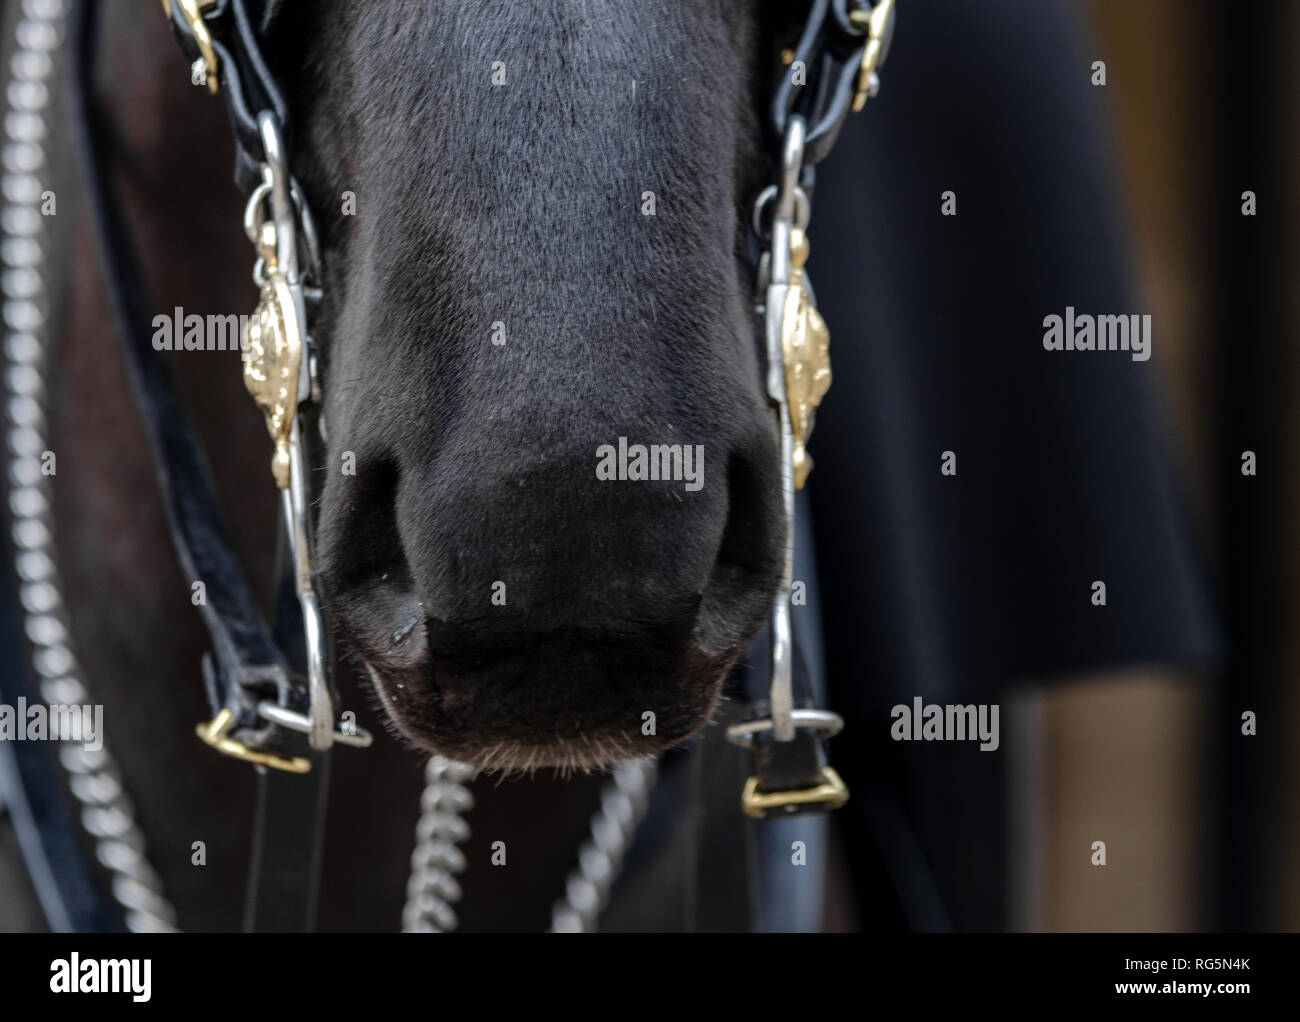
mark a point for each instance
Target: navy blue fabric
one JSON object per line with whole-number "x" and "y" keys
{"x": 32, "y": 789}
{"x": 948, "y": 587}
{"x": 790, "y": 899}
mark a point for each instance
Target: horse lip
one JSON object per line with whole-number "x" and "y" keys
{"x": 415, "y": 705}
{"x": 389, "y": 632}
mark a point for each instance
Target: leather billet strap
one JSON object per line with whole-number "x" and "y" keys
{"x": 235, "y": 29}
{"x": 842, "y": 44}
{"x": 794, "y": 777}
{"x": 283, "y": 885}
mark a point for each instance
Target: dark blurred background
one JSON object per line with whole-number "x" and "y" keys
{"x": 1124, "y": 723}
{"x": 1208, "y": 110}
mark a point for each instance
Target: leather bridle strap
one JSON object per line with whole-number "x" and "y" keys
{"x": 245, "y": 664}
{"x": 247, "y": 671}
{"x": 789, "y": 777}
{"x": 830, "y": 71}
{"x": 838, "y": 54}
{"x": 222, "y": 39}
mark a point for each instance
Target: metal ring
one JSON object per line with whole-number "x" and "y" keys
{"x": 252, "y": 220}
{"x": 276, "y": 171}
{"x": 286, "y": 718}
{"x": 820, "y": 720}
{"x": 802, "y": 211}
{"x": 255, "y": 214}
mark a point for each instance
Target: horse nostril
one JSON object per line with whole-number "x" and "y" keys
{"x": 748, "y": 567}
{"x": 358, "y": 540}
{"x": 400, "y": 636}
{"x": 384, "y": 619}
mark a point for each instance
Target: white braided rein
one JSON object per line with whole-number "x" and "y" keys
{"x": 106, "y": 811}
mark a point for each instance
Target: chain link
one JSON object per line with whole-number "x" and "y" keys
{"x": 623, "y": 803}
{"x": 433, "y": 890}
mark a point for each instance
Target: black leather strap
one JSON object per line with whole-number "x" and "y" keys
{"x": 784, "y": 766}
{"x": 248, "y": 87}
{"x": 830, "y": 51}
{"x": 284, "y": 864}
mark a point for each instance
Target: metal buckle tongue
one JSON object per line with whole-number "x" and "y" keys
{"x": 798, "y": 375}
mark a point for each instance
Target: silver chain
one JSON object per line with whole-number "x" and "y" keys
{"x": 95, "y": 781}
{"x": 623, "y": 803}
{"x": 433, "y": 890}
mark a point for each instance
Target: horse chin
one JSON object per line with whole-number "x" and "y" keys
{"x": 434, "y": 720}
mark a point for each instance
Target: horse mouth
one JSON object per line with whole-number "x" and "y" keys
{"x": 567, "y": 755}
{"x": 576, "y": 674}
{"x": 565, "y": 701}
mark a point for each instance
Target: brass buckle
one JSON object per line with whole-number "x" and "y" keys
{"x": 757, "y": 804}
{"x": 193, "y": 12}
{"x": 215, "y": 733}
{"x": 877, "y": 25}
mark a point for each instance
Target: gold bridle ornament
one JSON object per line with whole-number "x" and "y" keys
{"x": 204, "y": 70}
{"x": 273, "y": 359}
{"x": 806, "y": 347}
